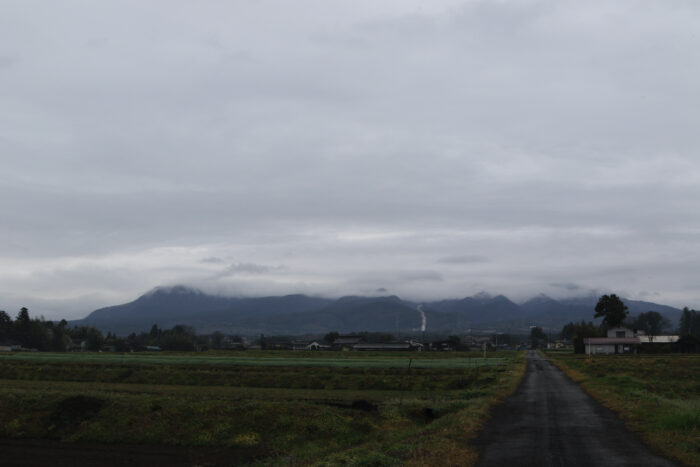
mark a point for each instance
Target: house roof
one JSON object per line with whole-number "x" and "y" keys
{"x": 347, "y": 340}
{"x": 382, "y": 346}
{"x": 610, "y": 340}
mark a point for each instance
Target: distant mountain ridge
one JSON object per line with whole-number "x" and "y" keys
{"x": 301, "y": 314}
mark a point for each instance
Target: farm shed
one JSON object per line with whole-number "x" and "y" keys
{"x": 447, "y": 346}
{"x": 346, "y": 342}
{"x": 643, "y": 339}
{"x": 297, "y": 345}
{"x": 611, "y": 345}
{"x": 392, "y": 347}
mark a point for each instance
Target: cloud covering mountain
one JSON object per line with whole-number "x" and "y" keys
{"x": 300, "y": 314}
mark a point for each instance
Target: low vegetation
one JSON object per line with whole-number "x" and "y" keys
{"x": 657, "y": 396}
{"x": 305, "y": 409}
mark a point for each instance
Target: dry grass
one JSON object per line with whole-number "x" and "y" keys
{"x": 450, "y": 444}
{"x": 304, "y": 415}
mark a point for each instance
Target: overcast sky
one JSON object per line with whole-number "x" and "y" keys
{"x": 428, "y": 149}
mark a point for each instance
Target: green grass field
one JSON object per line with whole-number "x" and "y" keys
{"x": 300, "y": 359}
{"x": 658, "y": 396}
{"x": 315, "y": 407}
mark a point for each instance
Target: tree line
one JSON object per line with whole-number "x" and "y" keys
{"x": 614, "y": 313}
{"x": 36, "y": 333}
{"x": 42, "y": 335}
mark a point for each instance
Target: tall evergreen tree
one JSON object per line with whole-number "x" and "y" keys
{"x": 5, "y": 326}
{"x": 612, "y": 310}
{"x": 686, "y": 322}
{"x": 23, "y": 325}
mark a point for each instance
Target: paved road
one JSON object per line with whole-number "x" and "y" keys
{"x": 550, "y": 421}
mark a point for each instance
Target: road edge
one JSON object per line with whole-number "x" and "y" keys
{"x": 582, "y": 381}
{"x": 496, "y": 400}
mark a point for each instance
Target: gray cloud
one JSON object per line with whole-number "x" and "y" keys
{"x": 568, "y": 286}
{"x": 248, "y": 268}
{"x": 6, "y": 61}
{"x": 213, "y": 260}
{"x": 463, "y": 259}
{"x": 647, "y": 295}
{"x": 541, "y": 138}
{"x": 411, "y": 276}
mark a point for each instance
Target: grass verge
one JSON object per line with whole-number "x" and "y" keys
{"x": 657, "y": 396}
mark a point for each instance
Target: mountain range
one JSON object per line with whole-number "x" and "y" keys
{"x": 301, "y": 314}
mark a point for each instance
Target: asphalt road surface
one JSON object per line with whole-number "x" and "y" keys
{"x": 550, "y": 421}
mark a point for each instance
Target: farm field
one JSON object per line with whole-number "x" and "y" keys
{"x": 658, "y": 396}
{"x": 265, "y": 408}
{"x": 268, "y": 358}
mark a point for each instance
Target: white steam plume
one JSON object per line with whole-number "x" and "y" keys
{"x": 423, "y": 318}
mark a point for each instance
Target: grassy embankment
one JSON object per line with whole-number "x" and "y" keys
{"x": 265, "y": 408}
{"x": 658, "y": 396}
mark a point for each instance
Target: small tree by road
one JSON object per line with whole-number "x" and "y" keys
{"x": 537, "y": 337}
{"x": 611, "y": 309}
{"x": 577, "y": 332}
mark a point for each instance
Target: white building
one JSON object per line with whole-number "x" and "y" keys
{"x": 621, "y": 341}
{"x": 657, "y": 339}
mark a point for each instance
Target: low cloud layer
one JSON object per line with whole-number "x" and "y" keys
{"x": 431, "y": 149}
